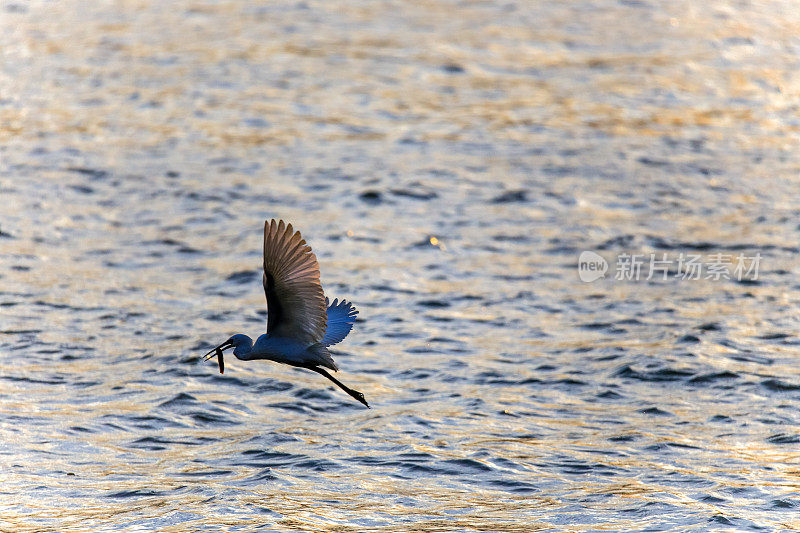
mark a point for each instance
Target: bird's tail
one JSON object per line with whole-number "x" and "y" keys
{"x": 341, "y": 317}
{"x": 322, "y": 356}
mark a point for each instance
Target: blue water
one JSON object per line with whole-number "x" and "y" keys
{"x": 448, "y": 162}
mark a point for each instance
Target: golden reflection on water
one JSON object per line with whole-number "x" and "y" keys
{"x": 156, "y": 56}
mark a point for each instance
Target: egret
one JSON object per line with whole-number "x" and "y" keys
{"x": 301, "y": 322}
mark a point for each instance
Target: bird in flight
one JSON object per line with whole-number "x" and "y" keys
{"x": 301, "y": 322}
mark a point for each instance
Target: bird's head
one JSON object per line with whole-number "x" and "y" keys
{"x": 240, "y": 344}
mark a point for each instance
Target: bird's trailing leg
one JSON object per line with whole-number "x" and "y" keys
{"x": 354, "y": 393}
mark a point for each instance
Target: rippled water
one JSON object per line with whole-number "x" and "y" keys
{"x": 448, "y": 162}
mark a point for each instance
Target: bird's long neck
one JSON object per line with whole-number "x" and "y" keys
{"x": 244, "y": 349}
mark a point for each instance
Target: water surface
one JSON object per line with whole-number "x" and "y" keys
{"x": 448, "y": 162}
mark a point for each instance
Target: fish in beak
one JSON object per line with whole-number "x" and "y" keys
{"x": 218, "y": 353}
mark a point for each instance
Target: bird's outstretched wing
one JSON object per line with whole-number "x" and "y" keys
{"x": 295, "y": 302}
{"x": 341, "y": 317}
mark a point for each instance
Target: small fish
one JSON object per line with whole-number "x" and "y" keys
{"x": 221, "y": 363}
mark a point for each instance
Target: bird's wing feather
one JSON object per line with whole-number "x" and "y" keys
{"x": 341, "y": 317}
{"x": 295, "y": 302}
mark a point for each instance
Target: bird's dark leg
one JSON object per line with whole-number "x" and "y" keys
{"x": 354, "y": 393}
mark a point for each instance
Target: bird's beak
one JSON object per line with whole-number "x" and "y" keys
{"x": 218, "y": 352}
{"x": 224, "y": 346}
